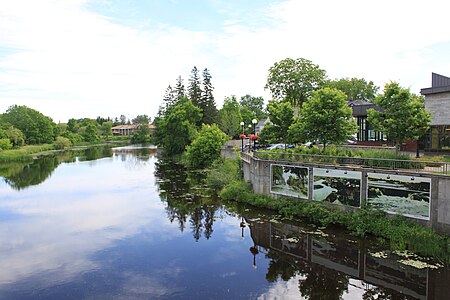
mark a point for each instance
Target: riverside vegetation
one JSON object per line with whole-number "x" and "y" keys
{"x": 396, "y": 231}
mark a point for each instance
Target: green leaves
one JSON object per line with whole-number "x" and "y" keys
{"x": 294, "y": 80}
{"x": 403, "y": 117}
{"x": 205, "y": 149}
{"x": 325, "y": 117}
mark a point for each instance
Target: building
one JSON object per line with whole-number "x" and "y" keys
{"x": 129, "y": 129}
{"x": 366, "y": 135}
{"x": 437, "y": 102}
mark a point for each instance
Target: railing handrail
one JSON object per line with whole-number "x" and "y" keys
{"x": 376, "y": 163}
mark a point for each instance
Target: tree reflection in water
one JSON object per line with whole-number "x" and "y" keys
{"x": 186, "y": 198}
{"x": 20, "y": 175}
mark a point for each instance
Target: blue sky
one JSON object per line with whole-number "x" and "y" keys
{"x": 89, "y": 58}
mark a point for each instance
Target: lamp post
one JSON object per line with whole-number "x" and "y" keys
{"x": 254, "y": 133}
{"x": 249, "y": 141}
{"x": 242, "y": 137}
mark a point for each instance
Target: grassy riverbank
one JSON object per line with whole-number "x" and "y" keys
{"x": 28, "y": 152}
{"x": 401, "y": 233}
{"x": 25, "y": 153}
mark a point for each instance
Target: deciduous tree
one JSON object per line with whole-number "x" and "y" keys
{"x": 403, "y": 117}
{"x": 281, "y": 115}
{"x": 205, "y": 149}
{"x": 355, "y": 88}
{"x": 325, "y": 118}
{"x": 294, "y": 80}
{"x": 36, "y": 127}
{"x": 230, "y": 117}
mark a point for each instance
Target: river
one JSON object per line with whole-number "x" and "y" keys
{"x": 126, "y": 223}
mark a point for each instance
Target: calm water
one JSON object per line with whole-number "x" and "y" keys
{"x": 125, "y": 224}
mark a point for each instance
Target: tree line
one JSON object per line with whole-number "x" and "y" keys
{"x": 306, "y": 106}
{"x": 21, "y": 125}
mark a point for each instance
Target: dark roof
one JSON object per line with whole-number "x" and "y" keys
{"x": 439, "y": 84}
{"x": 360, "y": 107}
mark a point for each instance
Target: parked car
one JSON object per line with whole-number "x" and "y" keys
{"x": 352, "y": 140}
{"x": 279, "y": 146}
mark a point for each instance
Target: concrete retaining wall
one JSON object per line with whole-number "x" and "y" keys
{"x": 258, "y": 173}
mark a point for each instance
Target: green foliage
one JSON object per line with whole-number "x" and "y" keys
{"x": 62, "y": 143}
{"x": 325, "y": 117}
{"x": 106, "y": 129}
{"x": 222, "y": 172}
{"x": 5, "y": 144}
{"x": 176, "y": 126}
{"x": 254, "y": 105}
{"x": 294, "y": 80}
{"x": 205, "y": 148}
{"x": 36, "y": 127}
{"x": 281, "y": 115}
{"x": 194, "y": 89}
{"x": 90, "y": 133}
{"x": 15, "y": 136}
{"x": 247, "y": 116}
{"x": 355, "y": 88}
{"x": 142, "y": 135}
{"x": 403, "y": 117}
{"x": 140, "y": 119}
{"x": 230, "y": 117}
{"x": 207, "y": 103}
{"x": 24, "y": 153}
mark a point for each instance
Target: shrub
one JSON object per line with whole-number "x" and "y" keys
{"x": 205, "y": 148}
{"x": 222, "y": 173}
{"x": 5, "y": 144}
{"x": 62, "y": 143}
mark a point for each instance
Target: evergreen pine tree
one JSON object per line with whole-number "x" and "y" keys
{"x": 179, "y": 91}
{"x": 207, "y": 103}
{"x": 194, "y": 88}
{"x": 169, "y": 97}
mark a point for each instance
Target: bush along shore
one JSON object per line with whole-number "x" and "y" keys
{"x": 401, "y": 233}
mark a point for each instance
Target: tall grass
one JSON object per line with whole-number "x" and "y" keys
{"x": 24, "y": 153}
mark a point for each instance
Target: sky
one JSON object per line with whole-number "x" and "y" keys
{"x": 88, "y": 58}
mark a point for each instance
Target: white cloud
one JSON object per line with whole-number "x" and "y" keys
{"x": 66, "y": 61}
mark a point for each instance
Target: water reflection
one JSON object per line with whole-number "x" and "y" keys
{"x": 186, "y": 198}
{"x": 133, "y": 225}
{"x": 328, "y": 265}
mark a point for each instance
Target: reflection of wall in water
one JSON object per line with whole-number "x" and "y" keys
{"x": 351, "y": 257}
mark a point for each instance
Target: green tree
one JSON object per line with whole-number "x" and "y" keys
{"x": 90, "y": 133}
{"x": 207, "y": 103}
{"x": 355, "y": 88}
{"x": 106, "y": 129}
{"x": 62, "y": 143}
{"x": 403, "y": 117}
{"x": 205, "y": 149}
{"x": 254, "y": 104}
{"x": 247, "y": 116}
{"x": 281, "y": 115}
{"x": 194, "y": 89}
{"x": 176, "y": 128}
{"x": 36, "y": 127}
{"x": 294, "y": 80}
{"x": 142, "y": 135}
{"x": 15, "y": 136}
{"x": 73, "y": 125}
{"x": 141, "y": 119}
{"x": 325, "y": 118}
{"x": 230, "y": 117}
{"x": 179, "y": 91}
